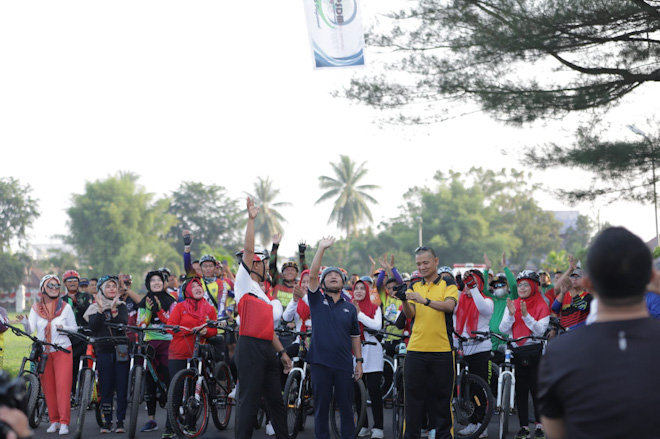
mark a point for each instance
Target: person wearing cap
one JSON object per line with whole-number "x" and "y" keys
{"x": 395, "y": 320}
{"x": 259, "y": 350}
{"x": 335, "y": 338}
{"x": 572, "y": 306}
{"x": 46, "y": 316}
{"x": 285, "y": 280}
{"x": 602, "y": 381}
{"x": 83, "y": 285}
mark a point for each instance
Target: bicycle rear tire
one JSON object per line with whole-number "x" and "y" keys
{"x": 387, "y": 380}
{"x": 220, "y": 403}
{"x": 359, "y": 411}
{"x": 135, "y": 384}
{"x": 33, "y": 389}
{"x": 398, "y": 412}
{"x": 506, "y": 407}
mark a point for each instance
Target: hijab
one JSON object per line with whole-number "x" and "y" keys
{"x": 302, "y": 308}
{"x": 366, "y": 305}
{"x": 48, "y": 311}
{"x": 536, "y": 307}
{"x": 198, "y": 308}
{"x": 467, "y": 313}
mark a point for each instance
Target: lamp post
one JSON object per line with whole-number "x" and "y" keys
{"x": 639, "y": 132}
{"x": 419, "y": 221}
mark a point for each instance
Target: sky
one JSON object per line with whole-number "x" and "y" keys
{"x": 222, "y": 92}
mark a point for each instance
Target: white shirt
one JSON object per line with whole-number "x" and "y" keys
{"x": 537, "y": 327}
{"x": 291, "y": 314}
{"x": 67, "y": 319}
{"x": 372, "y": 354}
{"x": 485, "y": 308}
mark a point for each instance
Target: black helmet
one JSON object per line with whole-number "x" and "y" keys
{"x": 207, "y": 258}
{"x": 290, "y": 264}
{"x": 151, "y": 274}
{"x": 528, "y": 274}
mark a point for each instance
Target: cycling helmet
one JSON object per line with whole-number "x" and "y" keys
{"x": 45, "y": 279}
{"x": 445, "y": 269}
{"x": 260, "y": 254}
{"x": 477, "y": 273}
{"x": 528, "y": 274}
{"x": 332, "y": 270}
{"x": 415, "y": 276}
{"x": 70, "y": 274}
{"x": 105, "y": 279}
{"x": 290, "y": 264}
{"x": 151, "y": 274}
{"x": 367, "y": 279}
{"x": 405, "y": 276}
{"x": 166, "y": 272}
{"x": 207, "y": 258}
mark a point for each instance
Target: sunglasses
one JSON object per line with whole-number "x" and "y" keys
{"x": 498, "y": 285}
{"x": 52, "y": 286}
{"x": 424, "y": 248}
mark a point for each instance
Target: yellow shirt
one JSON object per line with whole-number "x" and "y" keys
{"x": 430, "y": 331}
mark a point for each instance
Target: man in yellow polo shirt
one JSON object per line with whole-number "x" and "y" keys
{"x": 429, "y": 372}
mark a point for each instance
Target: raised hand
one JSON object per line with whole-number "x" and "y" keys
{"x": 253, "y": 210}
{"x": 277, "y": 238}
{"x": 372, "y": 260}
{"x": 302, "y": 246}
{"x": 298, "y": 292}
{"x": 487, "y": 262}
{"x": 187, "y": 238}
{"x": 327, "y": 242}
{"x": 523, "y": 309}
{"x": 572, "y": 262}
{"x": 503, "y": 259}
{"x": 510, "y": 306}
{"x": 470, "y": 280}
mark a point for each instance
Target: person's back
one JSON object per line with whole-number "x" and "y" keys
{"x": 603, "y": 380}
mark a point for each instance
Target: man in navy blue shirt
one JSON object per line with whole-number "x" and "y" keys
{"x": 335, "y": 333}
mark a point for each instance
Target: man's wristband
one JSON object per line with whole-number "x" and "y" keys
{"x": 282, "y": 352}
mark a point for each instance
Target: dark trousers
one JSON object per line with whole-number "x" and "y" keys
{"x": 113, "y": 377}
{"x": 260, "y": 378}
{"x": 376, "y": 396}
{"x": 327, "y": 381}
{"x": 527, "y": 374}
{"x": 428, "y": 381}
{"x": 160, "y": 363}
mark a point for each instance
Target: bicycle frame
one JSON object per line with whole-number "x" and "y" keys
{"x": 507, "y": 368}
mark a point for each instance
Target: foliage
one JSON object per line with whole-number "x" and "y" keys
{"x": 269, "y": 221}
{"x": 351, "y": 198}
{"x": 116, "y": 226}
{"x": 555, "y": 261}
{"x": 577, "y": 239}
{"x": 656, "y": 253}
{"x": 209, "y": 213}
{"x": 58, "y": 261}
{"x": 18, "y": 211}
{"x": 516, "y": 60}
{"x": 12, "y": 271}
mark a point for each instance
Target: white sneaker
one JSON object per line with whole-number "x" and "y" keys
{"x": 471, "y": 428}
{"x": 432, "y": 434}
{"x": 364, "y": 432}
{"x": 64, "y": 429}
{"x": 270, "y": 431}
{"x": 232, "y": 394}
{"x": 484, "y": 433}
{"x": 53, "y": 427}
{"x": 377, "y": 433}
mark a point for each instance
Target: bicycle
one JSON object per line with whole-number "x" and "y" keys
{"x": 198, "y": 389}
{"x": 36, "y": 409}
{"x": 298, "y": 397}
{"x": 144, "y": 353}
{"x": 506, "y": 382}
{"x": 87, "y": 389}
{"x": 473, "y": 400}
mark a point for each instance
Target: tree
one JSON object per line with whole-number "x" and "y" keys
{"x": 116, "y": 226}
{"x": 18, "y": 211}
{"x": 516, "y": 60}
{"x": 578, "y": 237}
{"x": 213, "y": 217}
{"x": 351, "y": 198}
{"x": 555, "y": 261}
{"x": 269, "y": 221}
{"x": 12, "y": 271}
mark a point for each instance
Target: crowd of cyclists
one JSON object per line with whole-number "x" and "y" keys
{"x": 427, "y": 306}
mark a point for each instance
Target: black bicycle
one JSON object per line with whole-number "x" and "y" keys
{"x": 298, "y": 397}
{"x": 36, "y": 409}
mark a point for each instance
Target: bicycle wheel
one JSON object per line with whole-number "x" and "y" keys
{"x": 135, "y": 386}
{"x": 85, "y": 385}
{"x": 187, "y": 410}
{"x": 291, "y": 403}
{"x": 473, "y": 404}
{"x": 359, "y": 410}
{"x": 506, "y": 407}
{"x": 220, "y": 404}
{"x": 398, "y": 406}
{"x": 307, "y": 402}
{"x": 32, "y": 396}
{"x": 387, "y": 380}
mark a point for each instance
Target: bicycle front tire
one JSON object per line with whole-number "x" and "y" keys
{"x": 475, "y": 396}
{"x": 221, "y": 405}
{"x": 33, "y": 389}
{"x": 189, "y": 416}
{"x": 135, "y": 386}
{"x": 506, "y": 407}
{"x": 85, "y": 386}
{"x": 293, "y": 409}
{"x": 398, "y": 406}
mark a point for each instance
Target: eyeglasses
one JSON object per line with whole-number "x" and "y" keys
{"x": 52, "y": 286}
{"x": 498, "y": 285}
{"x": 424, "y": 248}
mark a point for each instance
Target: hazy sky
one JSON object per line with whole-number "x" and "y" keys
{"x": 222, "y": 92}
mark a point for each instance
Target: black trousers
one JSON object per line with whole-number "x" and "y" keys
{"x": 428, "y": 381}
{"x": 376, "y": 396}
{"x": 527, "y": 374}
{"x": 260, "y": 378}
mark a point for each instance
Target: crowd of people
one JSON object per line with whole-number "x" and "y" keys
{"x": 429, "y": 306}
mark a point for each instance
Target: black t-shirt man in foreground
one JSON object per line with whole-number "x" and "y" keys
{"x": 602, "y": 381}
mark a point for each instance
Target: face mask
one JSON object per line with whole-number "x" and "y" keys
{"x": 500, "y": 292}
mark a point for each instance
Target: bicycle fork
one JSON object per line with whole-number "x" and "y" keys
{"x": 500, "y": 387}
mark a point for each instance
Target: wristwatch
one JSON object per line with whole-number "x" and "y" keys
{"x": 361, "y": 360}
{"x": 280, "y": 353}
{"x": 428, "y": 302}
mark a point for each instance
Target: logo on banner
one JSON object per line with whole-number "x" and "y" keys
{"x": 336, "y": 12}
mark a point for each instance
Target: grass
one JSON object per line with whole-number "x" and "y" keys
{"x": 15, "y": 349}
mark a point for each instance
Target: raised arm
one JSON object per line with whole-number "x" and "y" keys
{"x": 324, "y": 244}
{"x": 272, "y": 264}
{"x": 248, "y": 246}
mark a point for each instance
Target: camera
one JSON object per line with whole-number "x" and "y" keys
{"x": 400, "y": 291}
{"x": 13, "y": 392}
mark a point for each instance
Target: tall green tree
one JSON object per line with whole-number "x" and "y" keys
{"x": 555, "y": 261}
{"x": 269, "y": 221}
{"x": 12, "y": 271}
{"x": 516, "y": 60}
{"x": 18, "y": 211}
{"x": 116, "y": 226}
{"x": 213, "y": 217}
{"x": 351, "y": 198}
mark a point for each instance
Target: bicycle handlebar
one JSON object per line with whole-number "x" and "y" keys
{"x": 462, "y": 338}
{"x": 293, "y": 332}
{"x": 20, "y": 332}
{"x": 384, "y": 333}
{"x": 92, "y": 339}
{"x": 508, "y": 340}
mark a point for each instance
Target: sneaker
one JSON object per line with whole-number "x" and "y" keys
{"x": 151, "y": 425}
{"x": 377, "y": 433}
{"x": 467, "y": 431}
{"x": 120, "y": 427}
{"x": 364, "y": 432}
{"x": 484, "y": 433}
{"x": 425, "y": 433}
{"x": 53, "y": 427}
{"x": 270, "y": 431}
{"x": 107, "y": 427}
{"x": 538, "y": 433}
{"x": 64, "y": 429}
{"x": 167, "y": 434}
{"x": 432, "y": 434}
{"x": 522, "y": 434}
{"x": 232, "y": 394}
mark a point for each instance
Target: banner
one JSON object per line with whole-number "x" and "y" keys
{"x": 335, "y": 33}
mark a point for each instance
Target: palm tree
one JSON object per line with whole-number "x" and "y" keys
{"x": 269, "y": 220}
{"x": 351, "y": 199}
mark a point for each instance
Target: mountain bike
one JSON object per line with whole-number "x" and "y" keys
{"x": 506, "y": 382}
{"x": 201, "y": 388}
{"x": 298, "y": 397}
{"x": 37, "y": 410}
{"x": 473, "y": 400}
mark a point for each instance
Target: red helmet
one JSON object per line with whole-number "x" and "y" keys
{"x": 70, "y": 274}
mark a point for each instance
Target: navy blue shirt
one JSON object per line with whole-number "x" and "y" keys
{"x": 333, "y": 326}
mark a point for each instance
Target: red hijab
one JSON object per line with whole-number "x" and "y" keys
{"x": 199, "y": 309}
{"x": 467, "y": 314}
{"x": 536, "y": 307}
{"x": 303, "y": 308}
{"x": 366, "y": 305}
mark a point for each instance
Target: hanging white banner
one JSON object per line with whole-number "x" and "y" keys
{"x": 335, "y": 33}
